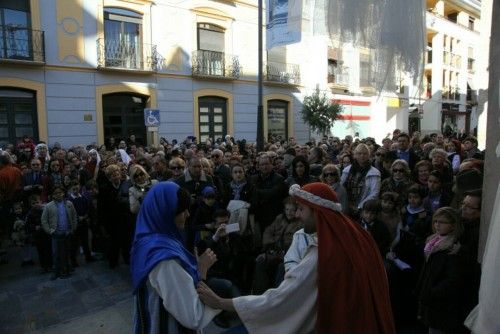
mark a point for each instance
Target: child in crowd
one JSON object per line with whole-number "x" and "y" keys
{"x": 437, "y": 196}
{"x": 408, "y": 247}
{"x": 232, "y": 252}
{"x": 41, "y": 239}
{"x": 277, "y": 238}
{"x": 59, "y": 220}
{"x": 20, "y": 236}
{"x": 81, "y": 236}
{"x": 440, "y": 281}
{"x": 390, "y": 213}
{"x": 202, "y": 219}
{"x": 375, "y": 227}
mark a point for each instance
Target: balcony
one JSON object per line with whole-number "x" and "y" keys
{"x": 118, "y": 55}
{"x": 23, "y": 45}
{"x": 213, "y": 64}
{"x": 281, "y": 73}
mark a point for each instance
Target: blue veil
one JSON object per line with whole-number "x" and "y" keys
{"x": 157, "y": 237}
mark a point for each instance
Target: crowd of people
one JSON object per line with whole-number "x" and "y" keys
{"x": 418, "y": 196}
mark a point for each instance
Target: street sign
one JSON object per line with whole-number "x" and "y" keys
{"x": 151, "y": 117}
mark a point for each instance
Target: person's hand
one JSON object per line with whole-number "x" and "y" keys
{"x": 261, "y": 258}
{"x": 390, "y": 256}
{"x": 221, "y": 231}
{"x": 205, "y": 261}
{"x": 207, "y": 296}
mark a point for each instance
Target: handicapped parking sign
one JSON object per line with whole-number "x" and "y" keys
{"x": 151, "y": 117}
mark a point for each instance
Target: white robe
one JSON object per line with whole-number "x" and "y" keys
{"x": 176, "y": 288}
{"x": 290, "y": 308}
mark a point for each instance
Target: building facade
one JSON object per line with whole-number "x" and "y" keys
{"x": 78, "y": 72}
{"x": 449, "y": 96}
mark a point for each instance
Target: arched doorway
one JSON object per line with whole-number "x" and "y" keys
{"x": 18, "y": 115}
{"x": 123, "y": 115}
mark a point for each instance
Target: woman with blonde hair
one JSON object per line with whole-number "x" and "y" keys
{"x": 400, "y": 179}
{"x": 330, "y": 175}
{"x": 141, "y": 183}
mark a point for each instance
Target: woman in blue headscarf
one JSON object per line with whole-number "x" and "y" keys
{"x": 164, "y": 273}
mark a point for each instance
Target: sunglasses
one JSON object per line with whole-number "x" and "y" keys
{"x": 176, "y": 167}
{"x": 396, "y": 170}
{"x": 330, "y": 174}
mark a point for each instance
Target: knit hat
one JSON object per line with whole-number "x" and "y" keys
{"x": 207, "y": 191}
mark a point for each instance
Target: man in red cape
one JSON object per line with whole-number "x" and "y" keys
{"x": 352, "y": 293}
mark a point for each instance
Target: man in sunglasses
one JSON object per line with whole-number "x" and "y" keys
{"x": 221, "y": 169}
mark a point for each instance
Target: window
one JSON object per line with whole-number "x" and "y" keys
{"x": 18, "y": 115}
{"x": 210, "y": 54}
{"x": 210, "y": 37}
{"x": 122, "y": 38}
{"x": 365, "y": 72}
{"x": 332, "y": 69}
{"x": 212, "y": 115}
{"x": 471, "y": 22}
{"x": 15, "y": 32}
{"x": 453, "y": 17}
{"x": 470, "y": 59}
{"x": 277, "y": 119}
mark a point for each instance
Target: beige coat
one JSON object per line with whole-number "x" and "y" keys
{"x": 49, "y": 217}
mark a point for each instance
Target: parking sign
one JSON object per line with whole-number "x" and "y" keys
{"x": 151, "y": 117}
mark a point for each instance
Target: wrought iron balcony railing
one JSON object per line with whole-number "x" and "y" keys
{"x": 115, "y": 53}
{"x": 20, "y": 43}
{"x": 283, "y": 73}
{"x": 215, "y": 64}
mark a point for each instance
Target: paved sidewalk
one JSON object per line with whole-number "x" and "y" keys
{"x": 95, "y": 299}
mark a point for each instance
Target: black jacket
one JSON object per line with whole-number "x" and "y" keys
{"x": 380, "y": 233}
{"x": 268, "y": 195}
{"x": 438, "y": 289}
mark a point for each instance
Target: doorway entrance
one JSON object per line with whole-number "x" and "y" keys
{"x": 123, "y": 115}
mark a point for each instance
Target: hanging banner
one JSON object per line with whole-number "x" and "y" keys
{"x": 284, "y": 22}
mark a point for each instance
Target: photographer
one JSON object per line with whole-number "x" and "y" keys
{"x": 141, "y": 183}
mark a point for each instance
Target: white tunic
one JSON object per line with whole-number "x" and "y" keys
{"x": 290, "y": 308}
{"x": 176, "y": 288}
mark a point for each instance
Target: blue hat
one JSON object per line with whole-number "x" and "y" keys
{"x": 208, "y": 190}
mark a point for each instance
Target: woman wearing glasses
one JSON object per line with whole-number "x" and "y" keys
{"x": 399, "y": 181}
{"x": 141, "y": 183}
{"x": 331, "y": 176}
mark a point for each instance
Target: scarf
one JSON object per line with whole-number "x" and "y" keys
{"x": 237, "y": 188}
{"x": 355, "y": 182}
{"x": 157, "y": 237}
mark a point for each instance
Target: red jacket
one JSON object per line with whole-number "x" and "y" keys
{"x": 10, "y": 182}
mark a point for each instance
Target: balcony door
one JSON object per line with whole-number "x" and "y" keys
{"x": 15, "y": 32}
{"x": 122, "y": 38}
{"x": 123, "y": 115}
{"x": 18, "y": 116}
{"x": 212, "y": 115}
{"x": 211, "y": 49}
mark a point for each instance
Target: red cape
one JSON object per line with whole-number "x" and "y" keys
{"x": 353, "y": 292}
